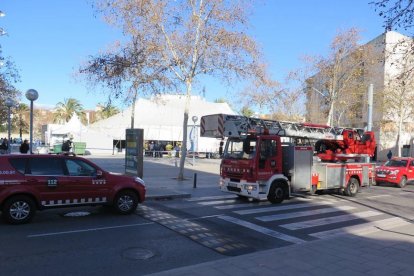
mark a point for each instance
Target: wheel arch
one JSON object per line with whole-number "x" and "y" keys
{"x": 356, "y": 177}
{"x": 123, "y": 189}
{"x": 30, "y": 195}
{"x": 276, "y": 178}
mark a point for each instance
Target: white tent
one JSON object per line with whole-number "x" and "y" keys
{"x": 74, "y": 127}
{"x": 161, "y": 118}
{"x": 57, "y": 133}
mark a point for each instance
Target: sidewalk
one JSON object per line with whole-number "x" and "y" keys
{"x": 383, "y": 253}
{"x": 387, "y": 251}
{"x": 160, "y": 175}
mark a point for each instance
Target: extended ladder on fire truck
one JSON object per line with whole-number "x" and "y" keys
{"x": 237, "y": 126}
{"x": 332, "y": 143}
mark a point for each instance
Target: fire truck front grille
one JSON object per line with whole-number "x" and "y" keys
{"x": 233, "y": 189}
{"x": 235, "y": 176}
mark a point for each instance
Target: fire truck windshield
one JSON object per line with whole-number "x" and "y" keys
{"x": 240, "y": 149}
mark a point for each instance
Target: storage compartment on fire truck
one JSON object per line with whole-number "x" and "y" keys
{"x": 297, "y": 166}
{"x": 335, "y": 176}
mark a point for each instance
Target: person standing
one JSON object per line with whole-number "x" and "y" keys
{"x": 24, "y": 147}
{"x": 66, "y": 146}
{"x": 4, "y": 147}
{"x": 389, "y": 155}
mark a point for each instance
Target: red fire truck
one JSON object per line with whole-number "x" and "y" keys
{"x": 266, "y": 159}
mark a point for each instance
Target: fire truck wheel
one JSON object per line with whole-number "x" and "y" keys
{"x": 19, "y": 209}
{"x": 352, "y": 187}
{"x": 126, "y": 202}
{"x": 403, "y": 182}
{"x": 277, "y": 192}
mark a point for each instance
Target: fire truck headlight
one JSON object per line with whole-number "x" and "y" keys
{"x": 250, "y": 188}
{"x": 221, "y": 182}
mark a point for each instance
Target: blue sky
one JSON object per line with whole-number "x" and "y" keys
{"x": 49, "y": 39}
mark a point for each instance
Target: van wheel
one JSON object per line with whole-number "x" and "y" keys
{"x": 352, "y": 187}
{"x": 277, "y": 192}
{"x": 403, "y": 182}
{"x": 19, "y": 209}
{"x": 126, "y": 202}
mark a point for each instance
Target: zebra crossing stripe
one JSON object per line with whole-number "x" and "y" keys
{"x": 262, "y": 229}
{"x": 281, "y": 208}
{"x": 242, "y": 205}
{"x": 365, "y": 228}
{"x": 207, "y": 203}
{"x": 305, "y": 213}
{"x": 330, "y": 220}
{"x": 210, "y": 197}
{"x": 376, "y": 196}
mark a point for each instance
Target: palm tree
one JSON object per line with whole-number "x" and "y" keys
{"x": 106, "y": 111}
{"x": 22, "y": 114}
{"x": 64, "y": 111}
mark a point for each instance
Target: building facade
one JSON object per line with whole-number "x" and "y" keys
{"x": 388, "y": 65}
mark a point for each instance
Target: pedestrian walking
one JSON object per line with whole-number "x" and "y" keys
{"x": 177, "y": 150}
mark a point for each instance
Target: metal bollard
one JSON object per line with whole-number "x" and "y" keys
{"x": 195, "y": 181}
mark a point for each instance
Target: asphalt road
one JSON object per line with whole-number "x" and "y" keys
{"x": 173, "y": 233}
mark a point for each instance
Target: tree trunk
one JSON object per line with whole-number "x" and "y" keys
{"x": 398, "y": 142}
{"x": 330, "y": 114}
{"x": 185, "y": 124}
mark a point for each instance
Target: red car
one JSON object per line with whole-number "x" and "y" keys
{"x": 34, "y": 182}
{"x": 398, "y": 171}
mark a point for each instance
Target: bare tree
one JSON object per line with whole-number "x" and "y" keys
{"x": 192, "y": 37}
{"x": 127, "y": 70}
{"x": 279, "y": 101}
{"x": 396, "y": 13}
{"x": 337, "y": 77}
{"x": 398, "y": 93}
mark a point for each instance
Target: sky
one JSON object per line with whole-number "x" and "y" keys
{"x": 49, "y": 39}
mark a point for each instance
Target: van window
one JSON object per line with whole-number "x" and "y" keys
{"x": 79, "y": 168}
{"x": 46, "y": 166}
{"x": 19, "y": 164}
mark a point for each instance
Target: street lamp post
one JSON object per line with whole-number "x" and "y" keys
{"x": 32, "y": 96}
{"x": 195, "y": 119}
{"x": 9, "y": 103}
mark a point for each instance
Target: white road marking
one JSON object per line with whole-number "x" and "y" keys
{"x": 262, "y": 230}
{"x": 330, "y": 220}
{"x": 204, "y": 217}
{"x": 305, "y": 213}
{"x": 241, "y": 205}
{"x": 281, "y": 208}
{"x": 376, "y": 196}
{"x": 210, "y": 197}
{"x": 87, "y": 230}
{"x": 207, "y": 203}
{"x": 365, "y": 228}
